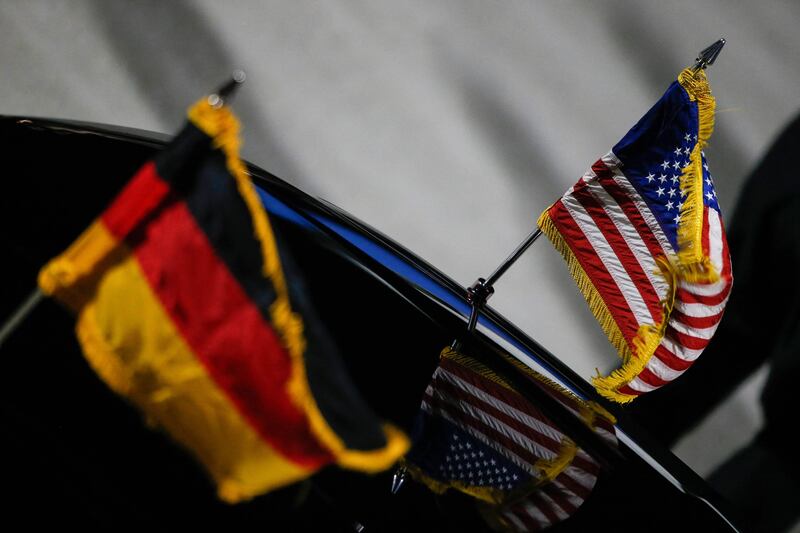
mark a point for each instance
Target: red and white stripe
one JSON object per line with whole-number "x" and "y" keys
{"x": 503, "y": 420}
{"x": 558, "y": 499}
{"x": 493, "y": 414}
{"x": 616, "y": 238}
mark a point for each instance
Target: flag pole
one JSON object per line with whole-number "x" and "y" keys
{"x": 483, "y": 288}
{"x": 20, "y": 314}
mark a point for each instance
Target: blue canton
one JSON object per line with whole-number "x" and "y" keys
{"x": 450, "y": 454}
{"x": 709, "y": 194}
{"x": 655, "y": 152}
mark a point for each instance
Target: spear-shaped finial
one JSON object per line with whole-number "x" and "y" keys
{"x": 217, "y": 99}
{"x": 708, "y": 55}
{"x": 398, "y": 479}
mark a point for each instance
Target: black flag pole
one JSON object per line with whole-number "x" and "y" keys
{"x": 480, "y": 291}
{"x": 21, "y": 313}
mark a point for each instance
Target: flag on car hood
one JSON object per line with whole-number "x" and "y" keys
{"x": 476, "y": 434}
{"x": 643, "y": 237}
{"x": 186, "y": 309}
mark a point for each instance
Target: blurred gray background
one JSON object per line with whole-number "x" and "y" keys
{"x": 447, "y": 125}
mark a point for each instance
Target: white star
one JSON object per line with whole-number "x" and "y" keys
{"x": 486, "y": 463}
{"x": 705, "y": 166}
{"x": 505, "y": 469}
{"x": 665, "y": 164}
{"x": 459, "y": 466}
{"x": 694, "y": 137}
{"x": 473, "y": 454}
{"x": 480, "y": 453}
{"x": 669, "y": 206}
{"x": 678, "y": 151}
{"x": 491, "y": 480}
{"x": 470, "y": 475}
{"x": 680, "y": 206}
{"x": 456, "y": 457}
{"x": 455, "y": 436}
{"x": 453, "y": 447}
{"x": 671, "y": 193}
{"x": 708, "y": 181}
{"x": 447, "y": 458}
{"x": 650, "y": 177}
{"x": 677, "y": 218}
{"x": 469, "y": 445}
{"x": 515, "y": 477}
{"x": 662, "y": 178}
{"x": 687, "y": 151}
{"x": 676, "y": 165}
{"x": 676, "y": 178}
{"x": 687, "y": 137}
{"x": 480, "y": 481}
{"x": 660, "y": 191}
{"x": 709, "y": 196}
{"x": 493, "y": 462}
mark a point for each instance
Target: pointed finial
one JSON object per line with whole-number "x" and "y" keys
{"x": 217, "y": 99}
{"x": 708, "y": 55}
{"x": 398, "y": 479}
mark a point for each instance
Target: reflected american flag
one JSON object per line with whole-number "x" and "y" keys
{"x": 476, "y": 434}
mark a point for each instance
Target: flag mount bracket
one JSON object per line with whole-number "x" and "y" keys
{"x": 479, "y": 292}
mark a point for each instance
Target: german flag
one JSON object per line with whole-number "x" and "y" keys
{"x": 185, "y": 308}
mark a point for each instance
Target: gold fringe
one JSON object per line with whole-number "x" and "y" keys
{"x": 222, "y": 126}
{"x": 487, "y": 494}
{"x": 99, "y": 355}
{"x": 647, "y": 337}
{"x": 585, "y": 286}
{"x": 587, "y": 409}
{"x": 694, "y": 266}
{"x": 548, "y": 469}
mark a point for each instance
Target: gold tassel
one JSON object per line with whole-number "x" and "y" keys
{"x": 223, "y": 127}
{"x": 694, "y": 266}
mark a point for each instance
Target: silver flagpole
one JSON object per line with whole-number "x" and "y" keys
{"x": 22, "y": 312}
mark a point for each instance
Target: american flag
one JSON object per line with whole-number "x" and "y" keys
{"x": 643, "y": 236}
{"x": 476, "y": 434}
{"x": 556, "y": 501}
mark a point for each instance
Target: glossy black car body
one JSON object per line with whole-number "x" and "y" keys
{"x": 76, "y": 454}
